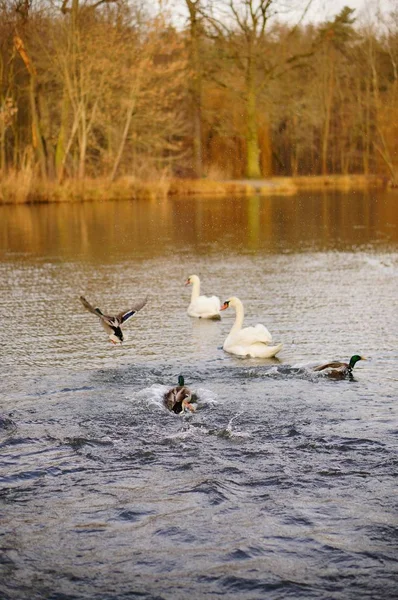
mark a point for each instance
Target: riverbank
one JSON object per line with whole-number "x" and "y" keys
{"x": 26, "y": 189}
{"x": 276, "y": 185}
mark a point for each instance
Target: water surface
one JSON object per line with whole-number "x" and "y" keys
{"x": 282, "y": 484}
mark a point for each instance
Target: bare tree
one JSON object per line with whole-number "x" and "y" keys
{"x": 22, "y": 8}
{"x": 333, "y": 40}
{"x": 244, "y": 38}
{"x": 385, "y": 92}
{"x": 195, "y": 9}
{"x": 152, "y": 98}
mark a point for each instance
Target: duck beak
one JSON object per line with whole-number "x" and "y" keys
{"x": 189, "y": 406}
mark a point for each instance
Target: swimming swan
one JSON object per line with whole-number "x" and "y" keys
{"x": 250, "y": 341}
{"x": 202, "y": 307}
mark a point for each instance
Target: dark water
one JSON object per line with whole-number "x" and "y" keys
{"x": 281, "y": 485}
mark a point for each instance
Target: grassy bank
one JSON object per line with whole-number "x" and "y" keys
{"x": 25, "y": 188}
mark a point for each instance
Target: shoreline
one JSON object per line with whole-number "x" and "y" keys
{"x": 26, "y": 190}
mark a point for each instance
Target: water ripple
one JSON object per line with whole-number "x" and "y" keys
{"x": 281, "y": 485}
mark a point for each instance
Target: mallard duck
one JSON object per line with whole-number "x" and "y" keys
{"x": 113, "y": 324}
{"x": 202, "y": 307}
{"x": 249, "y": 341}
{"x": 340, "y": 370}
{"x": 179, "y": 397}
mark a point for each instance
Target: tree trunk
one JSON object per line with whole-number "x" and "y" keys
{"x": 37, "y": 137}
{"x": 127, "y": 124}
{"x": 60, "y": 148}
{"x": 2, "y": 147}
{"x": 197, "y": 139}
{"x": 82, "y": 144}
{"x": 196, "y": 88}
{"x": 294, "y": 161}
{"x": 367, "y": 134}
{"x": 326, "y": 125}
{"x": 2, "y": 124}
{"x": 252, "y": 146}
{"x": 383, "y": 148}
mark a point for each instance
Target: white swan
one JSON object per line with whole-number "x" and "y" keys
{"x": 202, "y": 307}
{"x": 250, "y": 341}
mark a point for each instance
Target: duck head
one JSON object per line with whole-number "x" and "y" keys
{"x": 354, "y": 359}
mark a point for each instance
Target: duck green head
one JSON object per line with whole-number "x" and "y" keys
{"x": 354, "y": 359}
{"x": 180, "y": 380}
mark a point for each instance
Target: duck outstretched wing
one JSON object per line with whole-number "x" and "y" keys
{"x": 125, "y": 315}
{"x": 90, "y": 307}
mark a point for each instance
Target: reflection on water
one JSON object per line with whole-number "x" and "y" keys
{"x": 151, "y": 228}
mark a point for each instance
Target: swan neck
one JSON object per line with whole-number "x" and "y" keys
{"x": 195, "y": 289}
{"x": 239, "y": 315}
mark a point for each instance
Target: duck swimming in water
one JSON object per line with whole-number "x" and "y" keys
{"x": 179, "y": 397}
{"x": 340, "y": 370}
{"x": 113, "y": 324}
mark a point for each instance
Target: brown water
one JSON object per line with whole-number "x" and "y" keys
{"x": 123, "y": 230}
{"x": 282, "y": 484}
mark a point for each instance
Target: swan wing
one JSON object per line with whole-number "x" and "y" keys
{"x": 264, "y": 350}
{"x": 255, "y": 350}
{"x": 253, "y": 335}
{"x": 205, "y": 305}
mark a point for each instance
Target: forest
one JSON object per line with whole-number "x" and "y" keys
{"x": 229, "y": 90}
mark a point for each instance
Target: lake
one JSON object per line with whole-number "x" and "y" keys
{"x": 282, "y": 484}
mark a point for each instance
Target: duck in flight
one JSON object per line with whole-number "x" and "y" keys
{"x": 340, "y": 370}
{"x": 113, "y": 324}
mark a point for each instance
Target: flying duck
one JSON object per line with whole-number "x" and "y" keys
{"x": 113, "y": 324}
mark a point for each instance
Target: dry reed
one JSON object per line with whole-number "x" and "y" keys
{"x": 24, "y": 187}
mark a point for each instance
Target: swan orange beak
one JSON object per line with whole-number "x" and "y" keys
{"x": 224, "y": 306}
{"x": 188, "y": 282}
